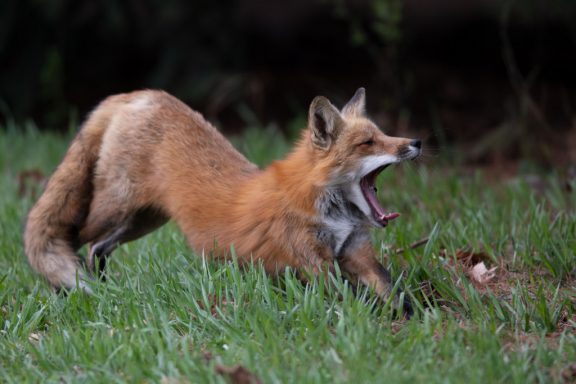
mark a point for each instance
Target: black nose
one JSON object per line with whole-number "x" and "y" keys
{"x": 416, "y": 143}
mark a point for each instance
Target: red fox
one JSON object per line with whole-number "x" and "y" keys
{"x": 145, "y": 157}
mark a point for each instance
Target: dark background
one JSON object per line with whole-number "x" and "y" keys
{"x": 495, "y": 79}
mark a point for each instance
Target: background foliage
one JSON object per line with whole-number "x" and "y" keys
{"x": 494, "y": 77}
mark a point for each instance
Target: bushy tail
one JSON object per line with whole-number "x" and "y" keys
{"x": 51, "y": 233}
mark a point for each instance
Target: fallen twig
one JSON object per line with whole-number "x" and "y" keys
{"x": 414, "y": 245}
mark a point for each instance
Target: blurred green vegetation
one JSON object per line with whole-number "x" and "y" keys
{"x": 497, "y": 76}
{"x": 57, "y": 54}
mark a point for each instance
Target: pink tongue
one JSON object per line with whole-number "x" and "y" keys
{"x": 377, "y": 210}
{"x": 391, "y": 216}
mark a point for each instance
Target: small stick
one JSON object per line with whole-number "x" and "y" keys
{"x": 414, "y": 245}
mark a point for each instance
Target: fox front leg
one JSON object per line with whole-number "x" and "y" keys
{"x": 361, "y": 266}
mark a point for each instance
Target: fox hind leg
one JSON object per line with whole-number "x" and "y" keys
{"x": 108, "y": 235}
{"x": 100, "y": 250}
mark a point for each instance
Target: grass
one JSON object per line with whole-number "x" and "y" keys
{"x": 167, "y": 316}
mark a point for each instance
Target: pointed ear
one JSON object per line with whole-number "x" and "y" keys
{"x": 324, "y": 122}
{"x": 357, "y": 104}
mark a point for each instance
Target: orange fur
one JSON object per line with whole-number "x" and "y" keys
{"x": 145, "y": 157}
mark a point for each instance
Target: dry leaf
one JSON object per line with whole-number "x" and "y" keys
{"x": 481, "y": 274}
{"x": 569, "y": 373}
{"x": 238, "y": 374}
{"x": 468, "y": 258}
{"x": 34, "y": 337}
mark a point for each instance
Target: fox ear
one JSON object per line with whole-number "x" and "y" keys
{"x": 357, "y": 104}
{"x": 324, "y": 121}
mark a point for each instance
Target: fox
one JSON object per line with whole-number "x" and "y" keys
{"x": 143, "y": 158}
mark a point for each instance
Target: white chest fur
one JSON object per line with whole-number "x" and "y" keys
{"x": 341, "y": 229}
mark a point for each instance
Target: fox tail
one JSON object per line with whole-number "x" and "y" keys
{"x": 51, "y": 232}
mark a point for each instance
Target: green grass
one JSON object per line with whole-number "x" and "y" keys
{"x": 167, "y": 316}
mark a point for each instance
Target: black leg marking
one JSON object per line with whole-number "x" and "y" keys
{"x": 99, "y": 252}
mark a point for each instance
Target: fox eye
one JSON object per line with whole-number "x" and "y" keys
{"x": 368, "y": 142}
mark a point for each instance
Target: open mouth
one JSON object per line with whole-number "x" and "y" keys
{"x": 368, "y": 187}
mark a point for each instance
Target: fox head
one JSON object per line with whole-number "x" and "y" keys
{"x": 353, "y": 151}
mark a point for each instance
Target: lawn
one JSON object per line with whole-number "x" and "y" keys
{"x": 167, "y": 316}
